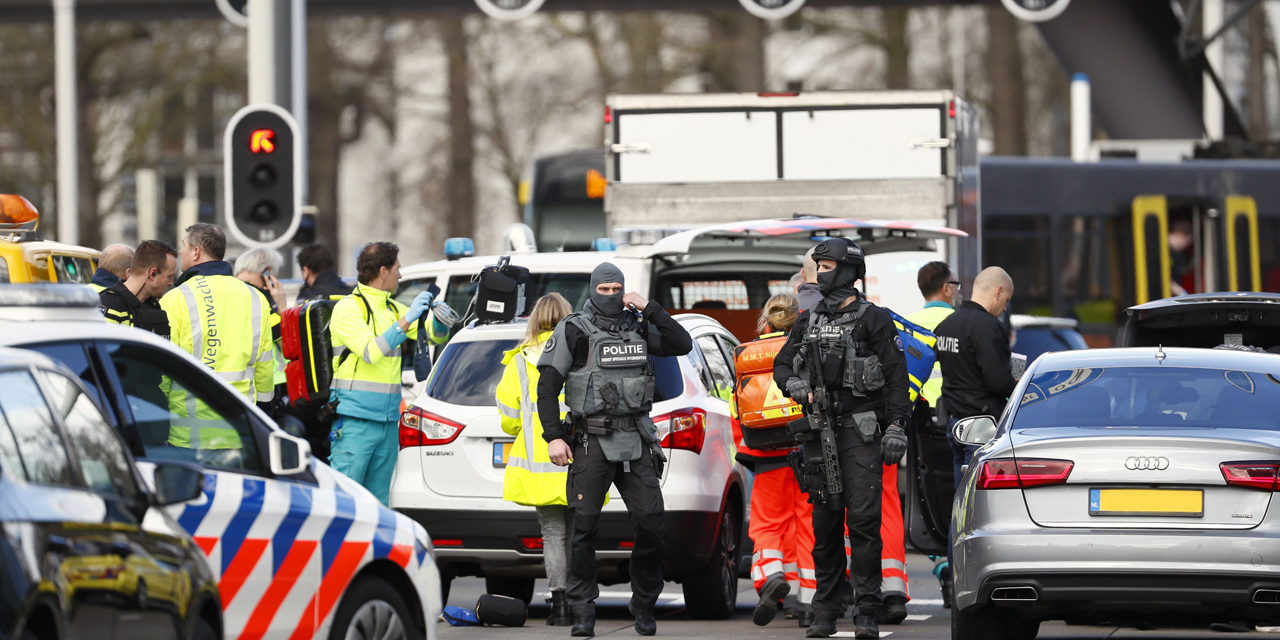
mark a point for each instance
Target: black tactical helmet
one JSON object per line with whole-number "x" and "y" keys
{"x": 842, "y": 250}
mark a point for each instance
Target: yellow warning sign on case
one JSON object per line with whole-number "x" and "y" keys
{"x": 774, "y": 397}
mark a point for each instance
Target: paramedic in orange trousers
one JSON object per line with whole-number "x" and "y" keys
{"x": 781, "y": 527}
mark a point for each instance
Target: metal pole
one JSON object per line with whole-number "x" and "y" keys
{"x": 64, "y": 43}
{"x": 299, "y": 97}
{"x": 1211, "y": 22}
{"x": 270, "y": 32}
{"x": 1081, "y": 118}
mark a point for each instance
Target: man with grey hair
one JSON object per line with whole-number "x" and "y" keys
{"x": 113, "y": 266}
{"x": 261, "y": 267}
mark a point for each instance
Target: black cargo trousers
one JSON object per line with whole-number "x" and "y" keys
{"x": 861, "y": 474}
{"x": 589, "y": 478}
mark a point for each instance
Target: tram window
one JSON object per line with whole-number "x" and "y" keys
{"x": 1091, "y": 272}
{"x": 1020, "y": 245}
{"x": 1269, "y": 227}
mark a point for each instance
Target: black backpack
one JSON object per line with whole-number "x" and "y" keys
{"x": 502, "y": 292}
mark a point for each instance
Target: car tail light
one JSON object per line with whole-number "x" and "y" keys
{"x": 446, "y": 543}
{"x": 419, "y": 428}
{"x": 1254, "y": 475}
{"x": 532, "y": 544}
{"x": 683, "y": 429}
{"x": 627, "y": 544}
{"x": 1012, "y": 474}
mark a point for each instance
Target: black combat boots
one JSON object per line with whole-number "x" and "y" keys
{"x": 824, "y": 626}
{"x": 645, "y": 624}
{"x": 865, "y": 627}
{"x": 560, "y": 615}
{"x": 584, "y": 626}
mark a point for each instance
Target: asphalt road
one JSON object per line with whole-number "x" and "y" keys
{"x": 927, "y": 619}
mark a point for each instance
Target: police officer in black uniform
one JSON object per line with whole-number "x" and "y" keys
{"x": 860, "y": 364}
{"x": 974, "y": 355}
{"x": 135, "y": 301}
{"x": 600, "y": 357}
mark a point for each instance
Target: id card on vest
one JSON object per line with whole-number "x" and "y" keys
{"x": 618, "y": 354}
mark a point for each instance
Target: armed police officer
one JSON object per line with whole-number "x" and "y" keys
{"x": 843, "y": 361}
{"x": 601, "y": 358}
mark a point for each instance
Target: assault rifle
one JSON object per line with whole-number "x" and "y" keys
{"x": 817, "y": 475}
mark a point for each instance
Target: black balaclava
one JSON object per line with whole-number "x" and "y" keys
{"x": 838, "y": 284}
{"x": 607, "y": 305}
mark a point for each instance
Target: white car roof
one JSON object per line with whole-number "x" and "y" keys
{"x": 559, "y": 261}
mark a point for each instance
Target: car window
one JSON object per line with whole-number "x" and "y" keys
{"x": 72, "y": 354}
{"x": 103, "y": 464}
{"x": 726, "y": 348}
{"x": 700, "y": 365}
{"x": 73, "y": 270}
{"x": 409, "y": 289}
{"x": 575, "y": 287}
{"x": 39, "y": 444}
{"x": 721, "y": 372}
{"x": 1150, "y": 397}
{"x": 468, "y": 372}
{"x": 460, "y": 292}
{"x": 182, "y": 412}
{"x": 10, "y": 461}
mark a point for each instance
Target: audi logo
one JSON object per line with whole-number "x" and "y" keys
{"x": 1146, "y": 463}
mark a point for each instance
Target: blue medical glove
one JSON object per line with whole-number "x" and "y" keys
{"x": 419, "y": 307}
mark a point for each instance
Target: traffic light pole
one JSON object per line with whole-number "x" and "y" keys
{"x": 278, "y": 62}
{"x": 68, "y": 192}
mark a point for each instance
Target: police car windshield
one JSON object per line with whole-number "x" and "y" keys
{"x": 1150, "y": 397}
{"x": 468, "y": 372}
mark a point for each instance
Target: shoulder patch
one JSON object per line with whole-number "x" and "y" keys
{"x": 897, "y": 341}
{"x": 551, "y": 344}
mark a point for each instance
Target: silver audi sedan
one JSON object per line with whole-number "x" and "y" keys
{"x": 1123, "y": 486}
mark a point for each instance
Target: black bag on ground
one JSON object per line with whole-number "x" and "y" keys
{"x": 500, "y": 610}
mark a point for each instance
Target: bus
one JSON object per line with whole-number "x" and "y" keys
{"x": 565, "y": 201}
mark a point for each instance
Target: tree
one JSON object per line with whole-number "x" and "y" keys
{"x": 1008, "y": 103}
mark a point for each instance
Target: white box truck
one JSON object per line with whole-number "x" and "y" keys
{"x": 903, "y": 156}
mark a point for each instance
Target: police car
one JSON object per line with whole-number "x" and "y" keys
{"x": 299, "y": 550}
{"x": 453, "y": 455}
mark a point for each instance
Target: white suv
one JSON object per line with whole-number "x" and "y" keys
{"x": 453, "y": 453}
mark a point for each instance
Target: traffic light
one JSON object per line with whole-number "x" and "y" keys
{"x": 263, "y": 176}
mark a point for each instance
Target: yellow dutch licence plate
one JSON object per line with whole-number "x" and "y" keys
{"x": 1146, "y": 502}
{"x": 501, "y": 453}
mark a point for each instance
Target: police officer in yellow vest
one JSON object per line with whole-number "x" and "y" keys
{"x": 940, "y": 287}
{"x": 367, "y": 329}
{"x": 224, "y": 324}
{"x": 531, "y": 478}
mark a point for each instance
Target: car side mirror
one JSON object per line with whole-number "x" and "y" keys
{"x": 177, "y": 482}
{"x": 975, "y": 431}
{"x": 290, "y": 455}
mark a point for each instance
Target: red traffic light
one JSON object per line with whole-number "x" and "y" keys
{"x": 260, "y": 141}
